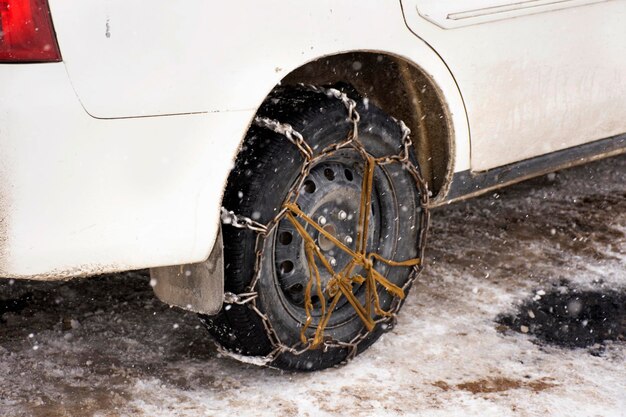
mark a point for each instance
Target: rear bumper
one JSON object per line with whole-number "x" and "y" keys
{"x": 81, "y": 196}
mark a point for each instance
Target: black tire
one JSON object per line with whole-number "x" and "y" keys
{"x": 265, "y": 171}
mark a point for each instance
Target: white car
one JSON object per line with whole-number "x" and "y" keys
{"x": 346, "y": 122}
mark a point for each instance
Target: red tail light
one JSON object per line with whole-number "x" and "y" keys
{"x": 26, "y": 33}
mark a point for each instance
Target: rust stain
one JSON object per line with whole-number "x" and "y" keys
{"x": 497, "y": 384}
{"x": 443, "y": 385}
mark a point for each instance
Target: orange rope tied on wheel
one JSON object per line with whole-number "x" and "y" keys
{"x": 341, "y": 283}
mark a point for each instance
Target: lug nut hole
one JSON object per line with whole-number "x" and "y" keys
{"x": 286, "y": 267}
{"x": 329, "y": 174}
{"x": 309, "y": 186}
{"x": 285, "y": 238}
{"x": 348, "y": 174}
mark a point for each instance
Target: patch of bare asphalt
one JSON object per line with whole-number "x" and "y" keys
{"x": 570, "y": 317}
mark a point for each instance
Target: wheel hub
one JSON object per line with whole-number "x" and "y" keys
{"x": 323, "y": 242}
{"x": 330, "y": 195}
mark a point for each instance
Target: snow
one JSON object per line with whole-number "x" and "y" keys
{"x": 106, "y": 347}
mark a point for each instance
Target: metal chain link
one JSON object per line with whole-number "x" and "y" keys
{"x": 241, "y": 222}
{"x": 287, "y": 131}
{"x": 250, "y": 296}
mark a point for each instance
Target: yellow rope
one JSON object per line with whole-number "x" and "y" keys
{"x": 341, "y": 283}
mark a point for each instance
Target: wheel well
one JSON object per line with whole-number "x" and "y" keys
{"x": 403, "y": 91}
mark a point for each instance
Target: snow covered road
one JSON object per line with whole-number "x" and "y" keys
{"x": 463, "y": 345}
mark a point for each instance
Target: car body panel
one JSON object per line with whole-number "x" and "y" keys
{"x": 534, "y": 79}
{"x": 82, "y": 196}
{"x": 91, "y": 184}
{"x": 117, "y": 157}
{"x": 133, "y": 59}
{"x": 450, "y": 14}
{"x": 134, "y": 192}
{"x": 162, "y": 58}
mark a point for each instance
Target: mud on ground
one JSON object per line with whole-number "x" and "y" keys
{"x": 466, "y": 343}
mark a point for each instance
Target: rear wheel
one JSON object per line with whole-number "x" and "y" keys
{"x": 316, "y": 217}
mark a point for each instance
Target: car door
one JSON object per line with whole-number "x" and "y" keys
{"x": 536, "y": 76}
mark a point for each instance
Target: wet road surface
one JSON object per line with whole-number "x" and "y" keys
{"x": 520, "y": 312}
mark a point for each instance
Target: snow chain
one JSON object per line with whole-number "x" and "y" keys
{"x": 341, "y": 283}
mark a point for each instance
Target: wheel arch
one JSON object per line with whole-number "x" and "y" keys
{"x": 403, "y": 90}
{"x": 430, "y": 104}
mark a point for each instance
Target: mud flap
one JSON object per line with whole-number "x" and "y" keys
{"x": 195, "y": 287}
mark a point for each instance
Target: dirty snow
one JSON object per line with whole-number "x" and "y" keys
{"x": 106, "y": 347}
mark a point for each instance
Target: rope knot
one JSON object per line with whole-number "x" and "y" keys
{"x": 368, "y": 264}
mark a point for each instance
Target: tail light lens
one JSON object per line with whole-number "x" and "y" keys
{"x": 26, "y": 32}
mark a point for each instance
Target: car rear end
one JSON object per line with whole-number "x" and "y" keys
{"x": 81, "y": 195}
